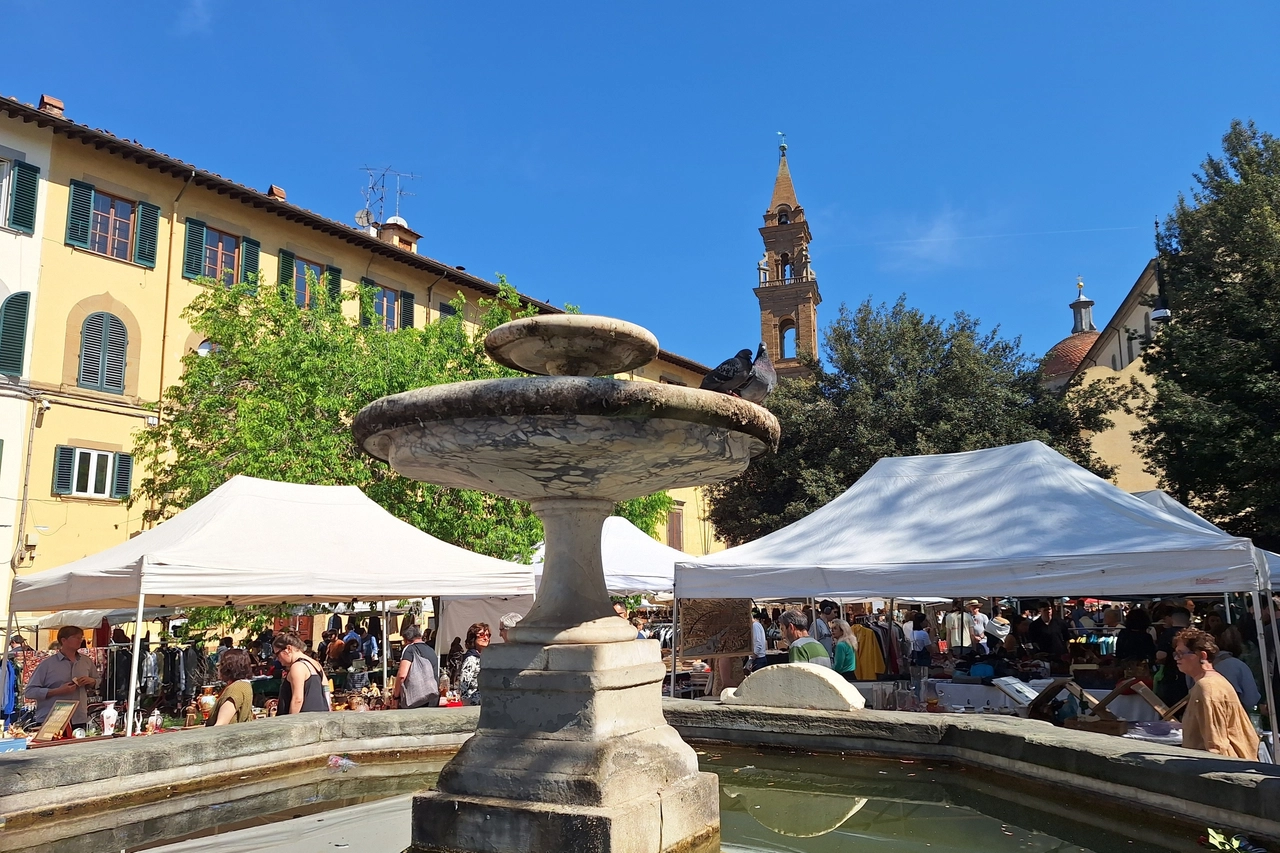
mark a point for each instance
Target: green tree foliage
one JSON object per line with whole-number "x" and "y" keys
{"x": 1213, "y": 425}
{"x": 900, "y": 383}
{"x": 276, "y": 395}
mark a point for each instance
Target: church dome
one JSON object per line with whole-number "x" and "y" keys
{"x": 1065, "y": 356}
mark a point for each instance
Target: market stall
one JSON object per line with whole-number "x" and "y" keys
{"x": 1020, "y": 520}
{"x": 254, "y": 541}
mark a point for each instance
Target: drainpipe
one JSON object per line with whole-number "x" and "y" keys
{"x": 37, "y": 402}
{"x": 168, "y": 288}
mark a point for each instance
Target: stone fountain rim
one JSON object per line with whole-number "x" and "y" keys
{"x": 552, "y": 396}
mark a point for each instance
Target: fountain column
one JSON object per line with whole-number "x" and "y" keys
{"x": 572, "y": 753}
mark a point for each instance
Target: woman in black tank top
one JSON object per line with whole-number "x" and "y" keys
{"x": 303, "y": 686}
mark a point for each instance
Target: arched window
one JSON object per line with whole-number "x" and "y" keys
{"x": 788, "y": 340}
{"x": 786, "y": 266}
{"x": 104, "y": 344}
{"x": 13, "y": 333}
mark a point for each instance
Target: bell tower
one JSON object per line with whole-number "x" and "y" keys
{"x": 787, "y": 286}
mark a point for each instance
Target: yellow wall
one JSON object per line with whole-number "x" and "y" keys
{"x": 1116, "y": 445}
{"x": 76, "y": 282}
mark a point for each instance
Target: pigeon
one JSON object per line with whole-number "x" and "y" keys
{"x": 763, "y": 378}
{"x": 731, "y": 375}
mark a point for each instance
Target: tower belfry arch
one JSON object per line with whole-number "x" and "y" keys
{"x": 787, "y": 286}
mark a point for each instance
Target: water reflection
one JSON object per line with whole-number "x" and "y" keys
{"x": 771, "y": 802}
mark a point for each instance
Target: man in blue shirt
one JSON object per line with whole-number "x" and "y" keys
{"x": 65, "y": 675}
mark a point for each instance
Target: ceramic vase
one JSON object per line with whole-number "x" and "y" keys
{"x": 109, "y": 717}
{"x": 207, "y": 700}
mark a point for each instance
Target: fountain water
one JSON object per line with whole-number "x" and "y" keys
{"x": 572, "y": 752}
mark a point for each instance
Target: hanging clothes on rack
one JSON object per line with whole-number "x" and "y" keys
{"x": 869, "y": 661}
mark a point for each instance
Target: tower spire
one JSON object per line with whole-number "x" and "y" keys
{"x": 784, "y": 192}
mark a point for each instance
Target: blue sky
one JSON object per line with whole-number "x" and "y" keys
{"x": 974, "y": 156}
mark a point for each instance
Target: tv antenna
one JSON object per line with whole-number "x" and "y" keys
{"x": 375, "y": 194}
{"x": 400, "y": 191}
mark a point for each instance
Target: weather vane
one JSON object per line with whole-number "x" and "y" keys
{"x": 782, "y": 142}
{"x": 1080, "y": 283}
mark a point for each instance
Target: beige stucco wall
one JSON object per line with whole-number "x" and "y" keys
{"x": 1116, "y": 445}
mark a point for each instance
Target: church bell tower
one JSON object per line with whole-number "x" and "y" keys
{"x": 788, "y": 287}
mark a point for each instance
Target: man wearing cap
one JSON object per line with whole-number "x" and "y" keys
{"x": 977, "y": 624}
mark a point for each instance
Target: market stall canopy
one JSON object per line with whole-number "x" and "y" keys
{"x": 89, "y": 619}
{"x": 256, "y": 541}
{"x": 634, "y": 562}
{"x": 1020, "y": 520}
{"x": 1171, "y": 505}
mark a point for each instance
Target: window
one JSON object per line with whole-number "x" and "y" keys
{"x": 111, "y": 232}
{"x": 104, "y": 346}
{"x": 675, "y": 528}
{"x": 111, "y": 226}
{"x": 6, "y": 168}
{"x": 1114, "y": 365}
{"x": 89, "y": 473}
{"x": 206, "y": 348}
{"x": 788, "y": 341}
{"x": 220, "y": 256}
{"x": 384, "y": 308}
{"x": 447, "y": 310}
{"x": 293, "y": 280}
{"x": 302, "y": 284}
{"x": 215, "y": 254}
{"x": 19, "y": 191}
{"x": 13, "y": 333}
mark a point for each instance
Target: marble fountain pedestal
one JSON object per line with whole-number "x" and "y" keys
{"x": 572, "y": 752}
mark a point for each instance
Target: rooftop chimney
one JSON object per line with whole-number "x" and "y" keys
{"x": 398, "y": 233}
{"x": 51, "y": 105}
{"x": 275, "y": 192}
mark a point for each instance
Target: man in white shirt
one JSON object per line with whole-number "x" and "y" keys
{"x": 977, "y": 625}
{"x": 759, "y": 645}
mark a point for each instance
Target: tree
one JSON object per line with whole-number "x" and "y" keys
{"x": 1212, "y": 432}
{"x": 275, "y": 395}
{"x": 900, "y": 383}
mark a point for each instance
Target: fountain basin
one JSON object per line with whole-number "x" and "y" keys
{"x": 562, "y": 436}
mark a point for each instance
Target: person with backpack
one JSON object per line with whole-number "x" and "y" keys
{"x": 418, "y": 678}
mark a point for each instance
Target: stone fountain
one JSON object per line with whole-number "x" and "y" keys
{"x": 572, "y": 752}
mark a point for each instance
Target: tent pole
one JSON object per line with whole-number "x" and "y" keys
{"x": 386, "y": 647}
{"x": 1226, "y": 606}
{"x": 1275, "y": 637}
{"x": 675, "y": 637}
{"x": 1268, "y": 688}
{"x": 131, "y": 706}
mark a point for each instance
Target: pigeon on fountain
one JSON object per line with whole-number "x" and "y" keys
{"x": 730, "y": 375}
{"x": 763, "y": 378}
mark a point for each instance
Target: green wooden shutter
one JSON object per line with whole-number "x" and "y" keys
{"x": 92, "y": 336}
{"x": 148, "y": 237}
{"x": 193, "y": 249}
{"x": 114, "y": 355}
{"x": 80, "y": 214}
{"x": 64, "y": 469}
{"x": 122, "y": 475}
{"x": 13, "y": 333}
{"x": 22, "y": 197}
{"x": 333, "y": 280}
{"x": 286, "y": 274}
{"x": 367, "y": 285}
{"x": 406, "y": 309}
{"x": 249, "y": 252}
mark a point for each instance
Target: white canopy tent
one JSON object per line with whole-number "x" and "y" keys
{"x": 634, "y": 562}
{"x": 254, "y": 541}
{"x": 1169, "y": 504}
{"x": 1020, "y": 520}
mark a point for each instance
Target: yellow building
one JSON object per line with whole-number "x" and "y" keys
{"x": 117, "y": 238}
{"x": 1114, "y": 351}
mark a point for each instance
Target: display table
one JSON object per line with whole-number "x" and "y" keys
{"x": 978, "y": 696}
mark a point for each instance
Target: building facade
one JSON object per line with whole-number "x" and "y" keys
{"x": 1090, "y": 354}
{"x": 109, "y": 258}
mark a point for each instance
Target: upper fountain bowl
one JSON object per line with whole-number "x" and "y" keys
{"x": 569, "y": 434}
{"x": 571, "y": 345}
